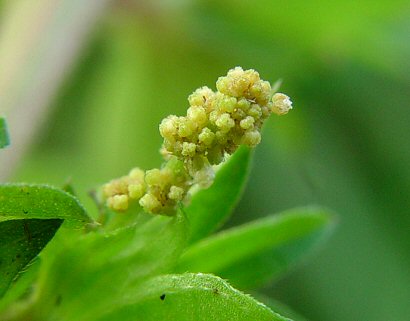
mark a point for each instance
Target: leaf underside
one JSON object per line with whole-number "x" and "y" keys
{"x": 20, "y": 242}
{"x": 30, "y": 215}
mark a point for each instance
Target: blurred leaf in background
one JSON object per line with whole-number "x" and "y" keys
{"x": 345, "y": 145}
{"x": 4, "y": 136}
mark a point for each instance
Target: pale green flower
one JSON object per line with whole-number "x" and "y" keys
{"x": 215, "y": 125}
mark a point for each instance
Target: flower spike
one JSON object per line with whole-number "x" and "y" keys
{"x": 215, "y": 125}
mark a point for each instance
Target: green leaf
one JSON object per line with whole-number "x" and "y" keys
{"x": 252, "y": 254}
{"x": 278, "y": 307}
{"x": 89, "y": 277}
{"x": 190, "y": 297}
{"x": 20, "y": 201}
{"x": 29, "y": 217}
{"x": 210, "y": 208}
{"x": 20, "y": 242}
{"x": 4, "y": 137}
{"x": 21, "y": 286}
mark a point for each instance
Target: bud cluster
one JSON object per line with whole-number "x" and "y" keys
{"x": 215, "y": 125}
{"x": 156, "y": 190}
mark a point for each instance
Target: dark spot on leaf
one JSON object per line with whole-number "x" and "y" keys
{"x": 27, "y": 232}
{"x": 162, "y": 297}
{"x": 58, "y": 300}
{"x": 215, "y": 291}
{"x": 25, "y": 212}
{"x": 18, "y": 256}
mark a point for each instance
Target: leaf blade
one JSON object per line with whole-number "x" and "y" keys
{"x": 30, "y": 215}
{"x": 278, "y": 307}
{"x": 20, "y": 243}
{"x": 23, "y": 201}
{"x": 21, "y": 286}
{"x": 221, "y": 197}
{"x": 251, "y": 254}
{"x": 191, "y": 297}
{"x": 89, "y": 276}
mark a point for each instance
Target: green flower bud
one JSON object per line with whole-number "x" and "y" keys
{"x": 136, "y": 191}
{"x": 168, "y": 127}
{"x": 150, "y": 203}
{"x": 153, "y": 177}
{"x": 118, "y": 202}
{"x": 197, "y": 115}
{"x": 188, "y": 149}
{"x": 206, "y": 136}
{"x": 247, "y": 122}
{"x": 176, "y": 193}
{"x": 244, "y": 104}
{"x": 200, "y": 96}
{"x": 238, "y": 114}
{"x": 255, "y": 111}
{"x": 225, "y": 122}
{"x": 186, "y": 128}
{"x": 227, "y": 104}
{"x": 281, "y": 104}
{"x": 251, "y": 138}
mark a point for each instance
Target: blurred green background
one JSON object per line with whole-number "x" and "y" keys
{"x": 84, "y": 85}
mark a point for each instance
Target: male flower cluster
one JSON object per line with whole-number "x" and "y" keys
{"x": 215, "y": 125}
